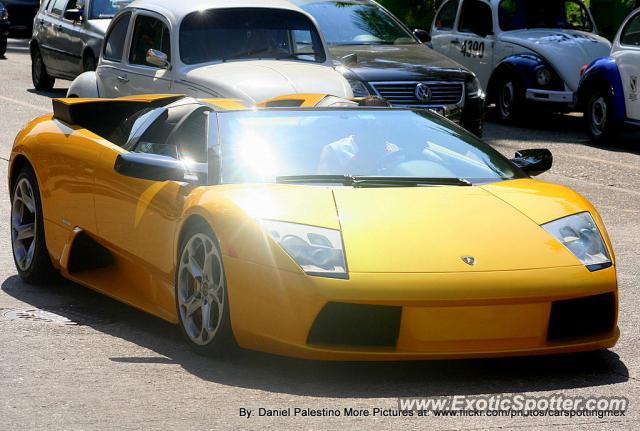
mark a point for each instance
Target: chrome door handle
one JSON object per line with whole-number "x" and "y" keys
{"x": 122, "y": 78}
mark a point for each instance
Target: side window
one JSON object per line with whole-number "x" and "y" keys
{"x": 631, "y": 32}
{"x": 476, "y": 18}
{"x": 447, "y": 16}
{"x": 73, "y": 4}
{"x": 57, "y": 6}
{"x": 148, "y": 33}
{"x": 114, "y": 42}
{"x": 190, "y": 138}
{"x": 158, "y": 138}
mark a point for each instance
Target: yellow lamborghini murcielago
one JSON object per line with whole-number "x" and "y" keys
{"x": 311, "y": 227}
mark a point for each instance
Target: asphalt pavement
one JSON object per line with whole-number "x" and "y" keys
{"x": 73, "y": 359}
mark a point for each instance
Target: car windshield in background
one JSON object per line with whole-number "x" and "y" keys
{"x": 249, "y": 33}
{"x": 105, "y": 9}
{"x": 526, "y": 14}
{"x": 259, "y": 146}
{"x": 355, "y": 23}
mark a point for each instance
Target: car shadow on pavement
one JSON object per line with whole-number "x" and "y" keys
{"x": 255, "y": 370}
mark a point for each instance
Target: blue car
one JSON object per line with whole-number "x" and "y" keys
{"x": 608, "y": 92}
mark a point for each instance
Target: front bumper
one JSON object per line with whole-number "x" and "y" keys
{"x": 550, "y": 96}
{"x": 418, "y": 316}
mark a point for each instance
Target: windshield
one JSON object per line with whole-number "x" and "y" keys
{"x": 356, "y": 23}
{"x": 249, "y": 33}
{"x": 105, "y": 9}
{"x": 525, "y": 14}
{"x": 259, "y": 146}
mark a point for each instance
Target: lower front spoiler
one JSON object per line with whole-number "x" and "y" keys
{"x": 353, "y": 354}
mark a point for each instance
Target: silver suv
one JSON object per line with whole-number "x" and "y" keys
{"x": 67, "y": 36}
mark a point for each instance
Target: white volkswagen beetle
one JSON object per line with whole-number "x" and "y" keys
{"x": 609, "y": 93}
{"x": 246, "y": 49}
{"x": 523, "y": 51}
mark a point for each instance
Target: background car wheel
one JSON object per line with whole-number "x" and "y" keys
{"x": 201, "y": 293}
{"x": 41, "y": 79}
{"x": 598, "y": 117}
{"x": 3, "y": 47}
{"x": 89, "y": 62}
{"x": 509, "y": 99}
{"x": 27, "y": 231}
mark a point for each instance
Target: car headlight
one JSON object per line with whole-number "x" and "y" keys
{"x": 359, "y": 88}
{"x": 4, "y": 15}
{"x": 543, "y": 76}
{"x": 581, "y": 236}
{"x": 317, "y": 250}
{"x": 473, "y": 88}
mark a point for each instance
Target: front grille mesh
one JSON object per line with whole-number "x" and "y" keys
{"x": 403, "y": 93}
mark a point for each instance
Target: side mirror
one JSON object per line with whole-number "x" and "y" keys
{"x": 152, "y": 167}
{"x": 73, "y": 14}
{"x": 533, "y": 162}
{"x": 422, "y": 35}
{"x": 349, "y": 60}
{"x": 158, "y": 59}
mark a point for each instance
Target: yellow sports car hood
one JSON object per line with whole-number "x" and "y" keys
{"x": 429, "y": 229}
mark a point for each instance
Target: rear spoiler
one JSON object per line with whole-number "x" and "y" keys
{"x": 83, "y": 111}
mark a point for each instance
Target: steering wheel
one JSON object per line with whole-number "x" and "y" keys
{"x": 391, "y": 159}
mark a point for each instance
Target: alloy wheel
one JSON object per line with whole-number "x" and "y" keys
{"x": 23, "y": 224}
{"x": 200, "y": 289}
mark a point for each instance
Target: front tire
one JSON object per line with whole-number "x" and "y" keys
{"x": 509, "y": 99}
{"x": 3, "y": 47}
{"x": 42, "y": 81}
{"x": 27, "y": 230}
{"x": 598, "y": 117}
{"x": 201, "y": 293}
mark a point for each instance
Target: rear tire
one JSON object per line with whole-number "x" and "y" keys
{"x": 3, "y": 47}
{"x": 201, "y": 293}
{"x": 42, "y": 81}
{"x": 27, "y": 231}
{"x": 598, "y": 117}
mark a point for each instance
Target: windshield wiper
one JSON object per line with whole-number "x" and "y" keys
{"x": 372, "y": 181}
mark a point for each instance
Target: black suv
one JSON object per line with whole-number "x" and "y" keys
{"x": 380, "y": 56}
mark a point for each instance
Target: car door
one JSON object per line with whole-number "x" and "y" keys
{"x": 138, "y": 218}
{"x": 112, "y": 77}
{"x": 473, "y": 39}
{"x": 150, "y": 32}
{"x": 627, "y": 56}
{"x": 443, "y": 25}
{"x": 48, "y": 25}
{"x": 69, "y": 39}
